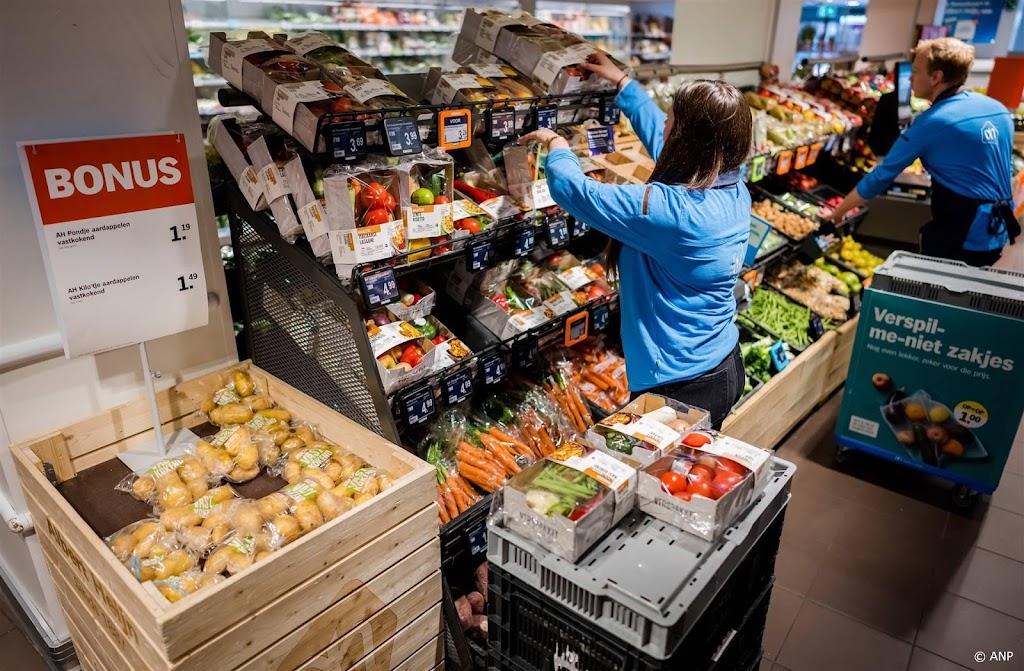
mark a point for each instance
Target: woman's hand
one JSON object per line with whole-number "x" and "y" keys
{"x": 602, "y": 66}
{"x": 545, "y": 136}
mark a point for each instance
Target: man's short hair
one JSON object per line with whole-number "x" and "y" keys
{"x": 948, "y": 55}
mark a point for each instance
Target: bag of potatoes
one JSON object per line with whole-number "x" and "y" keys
{"x": 178, "y": 587}
{"x": 151, "y": 552}
{"x": 171, "y": 482}
{"x": 230, "y": 454}
{"x": 301, "y": 507}
{"x": 237, "y": 401}
{"x": 320, "y": 457}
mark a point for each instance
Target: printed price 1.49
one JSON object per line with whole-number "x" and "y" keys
{"x": 183, "y": 286}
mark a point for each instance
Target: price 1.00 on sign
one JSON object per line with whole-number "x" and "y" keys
{"x": 117, "y": 223}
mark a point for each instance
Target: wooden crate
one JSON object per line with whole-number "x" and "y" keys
{"x": 376, "y": 564}
{"x": 839, "y": 364}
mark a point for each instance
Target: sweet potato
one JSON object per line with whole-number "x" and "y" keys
{"x": 465, "y": 612}
{"x": 480, "y": 576}
{"x": 476, "y": 602}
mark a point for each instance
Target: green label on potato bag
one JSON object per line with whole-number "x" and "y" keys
{"x": 934, "y": 386}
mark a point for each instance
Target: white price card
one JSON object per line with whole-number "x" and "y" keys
{"x": 117, "y": 224}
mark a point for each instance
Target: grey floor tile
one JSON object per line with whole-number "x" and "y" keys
{"x": 824, "y": 639}
{"x": 922, "y": 660}
{"x": 957, "y": 628}
{"x": 1009, "y": 495}
{"x": 997, "y": 530}
{"x": 17, "y": 653}
{"x": 781, "y": 614}
{"x": 991, "y": 580}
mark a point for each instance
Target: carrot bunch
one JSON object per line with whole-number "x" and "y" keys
{"x": 564, "y": 391}
{"x": 600, "y": 374}
{"x": 454, "y": 495}
{"x": 481, "y": 467}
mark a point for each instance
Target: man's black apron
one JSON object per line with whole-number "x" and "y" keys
{"x": 967, "y": 229}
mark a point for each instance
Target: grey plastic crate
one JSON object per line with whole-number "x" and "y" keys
{"x": 646, "y": 582}
{"x": 991, "y": 290}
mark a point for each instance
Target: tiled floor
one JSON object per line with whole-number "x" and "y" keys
{"x": 874, "y": 573}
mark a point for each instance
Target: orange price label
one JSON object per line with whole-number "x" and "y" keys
{"x": 576, "y": 328}
{"x": 453, "y": 128}
{"x": 801, "y": 158}
{"x": 784, "y": 162}
{"x": 812, "y": 156}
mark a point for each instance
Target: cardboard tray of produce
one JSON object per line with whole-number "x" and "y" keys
{"x": 368, "y": 577}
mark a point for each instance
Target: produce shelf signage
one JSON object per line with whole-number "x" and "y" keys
{"x": 347, "y": 141}
{"x": 547, "y": 117}
{"x": 524, "y": 353}
{"x": 579, "y": 228}
{"x": 379, "y": 287}
{"x": 576, "y": 328}
{"x": 403, "y": 137}
{"x": 526, "y": 241}
{"x": 609, "y": 112}
{"x": 777, "y": 352}
{"x": 492, "y": 369}
{"x": 502, "y": 122}
{"x": 458, "y": 386}
{"x": 418, "y": 405}
{"x": 600, "y": 315}
{"x": 480, "y": 255}
{"x": 800, "y": 161}
{"x": 812, "y": 155}
{"x": 601, "y": 140}
{"x": 117, "y": 224}
{"x": 784, "y": 162}
{"x": 558, "y": 232}
{"x": 758, "y": 167}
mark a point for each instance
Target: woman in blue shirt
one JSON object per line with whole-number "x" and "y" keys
{"x": 678, "y": 241}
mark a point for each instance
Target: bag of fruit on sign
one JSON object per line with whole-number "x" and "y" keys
{"x": 364, "y": 213}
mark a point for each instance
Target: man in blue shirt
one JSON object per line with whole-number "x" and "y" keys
{"x": 965, "y": 141}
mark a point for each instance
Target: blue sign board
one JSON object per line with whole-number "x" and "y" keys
{"x": 973, "y": 21}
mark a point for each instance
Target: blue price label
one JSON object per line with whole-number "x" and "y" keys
{"x": 547, "y": 117}
{"x": 347, "y": 141}
{"x": 526, "y": 241}
{"x": 601, "y": 140}
{"x": 458, "y": 386}
{"x": 493, "y": 368}
{"x": 478, "y": 538}
{"x": 418, "y": 405}
{"x": 579, "y": 228}
{"x": 480, "y": 255}
{"x": 778, "y": 355}
{"x": 502, "y": 122}
{"x": 403, "y": 137}
{"x": 599, "y": 316}
{"x": 815, "y": 329}
{"x": 558, "y": 232}
{"x": 379, "y": 287}
{"x": 524, "y": 353}
{"x": 609, "y": 112}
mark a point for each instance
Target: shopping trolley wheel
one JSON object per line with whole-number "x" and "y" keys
{"x": 843, "y": 455}
{"x": 964, "y": 497}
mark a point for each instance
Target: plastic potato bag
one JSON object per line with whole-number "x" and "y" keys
{"x": 150, "y": 552}
{"x": 324, "y": 462}
{"x": 171, "y": 482}
{"x": 230, "y": 453}
{"x": 301, "y": 507}
{"x": 178, "y": 587}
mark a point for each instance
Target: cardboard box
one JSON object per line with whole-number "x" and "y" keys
{"x": 433, "y": 169}
{"x": 354, "y": 240}
{"x": 504, "y": 323}
{"x": 648, "y": 427}
{"x": 702, "y": 516}
{"x": 614, "y": 481}
{"x": 422, "y": 308}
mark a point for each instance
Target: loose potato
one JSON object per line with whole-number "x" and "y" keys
{"x": 308, "y": 515}
{"x": 287, "y": 527}
{"x": 321, "y": 478}
{"x": 244, "y": 384}
{"x": 273, "y": 505}
{"x": 144, "y": 488}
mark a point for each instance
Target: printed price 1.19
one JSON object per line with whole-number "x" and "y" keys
{"x": 176, "y": 232}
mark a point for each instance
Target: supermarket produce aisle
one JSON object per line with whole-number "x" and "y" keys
{"x": 875, "y": 572}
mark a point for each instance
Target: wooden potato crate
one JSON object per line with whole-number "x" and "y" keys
{"x": 363, "y": 591}
{"x": 789, "y": 397}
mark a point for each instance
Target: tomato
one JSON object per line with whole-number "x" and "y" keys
{"x": 595, "y": 291}
{"x": 699, "y": 472}
{"x": 376, "y": 217}
{"x": 440, "y": 200}
{"x": 685, "y": 496}
{"x": 697, "y": 440}
{"x": 471, "y": 225}
{"x": 374, "y": 195}
{"x": 341, "y": 105}
{"x": 724, "y": 482}
{"x": 700, "y": 488}
{"x": 731, "y": 466}
{"x": 673, "y": 482}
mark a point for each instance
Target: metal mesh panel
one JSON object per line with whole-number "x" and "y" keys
{"x": 300, "y": 335}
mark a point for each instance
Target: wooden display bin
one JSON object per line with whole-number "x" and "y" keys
{"x": 361, "y": 592}
{"x": 789, "y": 397}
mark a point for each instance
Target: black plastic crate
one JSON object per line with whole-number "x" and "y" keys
{"x": 463, "y": 548}
{"x": 527, "y": 629}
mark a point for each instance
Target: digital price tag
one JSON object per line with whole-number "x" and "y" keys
{"x": 777, "y": 353}
{"x": 609, "y": 112}
{"x": 558, "y": 232}
{"x": 800, "y": 160}
{"x": 600, "y": 140}
{"x": 453, "y": 129}
{"x": 576, "y": 328}
{"x": 493, "y": 368}
{"x": 379, "y": 287}
{"x": 524, "y": 353}
{"x": 547, "y": 117}
{"x": 478, "y": 538}
{"x": 599, "y": 316}
{"x": 403, "y": 137}
{"x": 417, "y": 405}
{"x": 480, "y": 255}
{"x": 526, "y": 241}
{"x": 501, "y": 122}
{"x": 346, "y": 141}
{"x": 758, "y": 168}
{"x": 812, "y": 155}
{"x": 458, "y": 386}
{"x": 815, "y": 329}
{"x": 784, "y": 162}
{"x": 579, "y": 228}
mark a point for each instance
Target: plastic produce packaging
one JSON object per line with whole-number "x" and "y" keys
{"x": 427, "y": 185}
{"x": 646, "y": 428}
{"x": 705, "y": 483}
{"x": 178, "y": 587}
{"x": 151, "y": 552}
{"x": 567, "y": 501}
{"x": 171, "y": 482}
